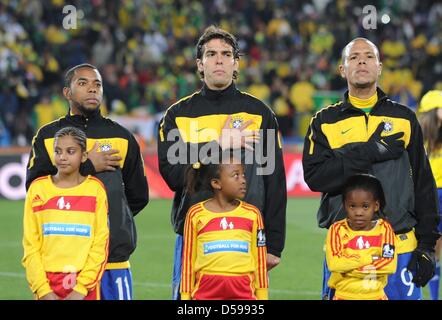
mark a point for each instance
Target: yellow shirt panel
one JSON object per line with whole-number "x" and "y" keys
{"x": 208, "y": 128}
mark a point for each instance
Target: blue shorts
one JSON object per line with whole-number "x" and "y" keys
{"x": 399, "y": 286}
{"x": 176, "y": 276}
{"x": 327, "y": 292}
{"x": 116, "y": 284}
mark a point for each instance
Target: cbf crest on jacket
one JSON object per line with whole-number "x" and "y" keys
{"x": 199, "y": 119}
{"x": 332, "y": 153}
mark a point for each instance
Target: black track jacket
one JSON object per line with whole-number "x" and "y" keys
{"x": 126, "y": 188}
{"x": 331, "y": 156}
{"x": 200, "y": 118}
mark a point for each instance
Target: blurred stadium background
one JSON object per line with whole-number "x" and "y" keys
{"x": 145, "y": 52}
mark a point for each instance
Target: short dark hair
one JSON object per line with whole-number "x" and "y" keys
{"x": 366, "y": 182}
{"x": 213, "y": 32}
{"x": 76, "y": 133}
{"x": 70, "y": 73}
{"x": 199, "y": 175}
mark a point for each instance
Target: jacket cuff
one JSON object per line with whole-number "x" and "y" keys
{"x": 262, "y": 294}
{"x": 274, "y": 252}
{"x": 426, "y": 246}
{"x": 87, "y": 168}
{"x": 427, "y": 242}
{"x": 215, "y": 148}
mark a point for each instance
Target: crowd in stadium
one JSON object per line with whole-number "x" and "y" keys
{"x": 145, "y": 52}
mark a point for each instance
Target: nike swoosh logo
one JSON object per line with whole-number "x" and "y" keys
{"x": 345, "y": 131}
{"x": 199, "y": 130}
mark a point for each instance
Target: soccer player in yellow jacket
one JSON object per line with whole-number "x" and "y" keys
{"x": 224, "y": 254}
{"x": 66, "y": 230}
{"x": 430, "y": 117}
{"x": 360, "y": 249}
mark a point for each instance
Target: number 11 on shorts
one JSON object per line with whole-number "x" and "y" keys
{"x": 119, "y": 281}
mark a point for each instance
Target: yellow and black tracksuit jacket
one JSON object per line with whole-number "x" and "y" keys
{"x": 332, "y": 153}
{"x": 127, "y": 189}
{"x": 199, "y": 119}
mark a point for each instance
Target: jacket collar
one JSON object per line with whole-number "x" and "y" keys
{"x": 347, "y": 105}
{"x": 218, "y": 94}
{"x": 93, "y": 117}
